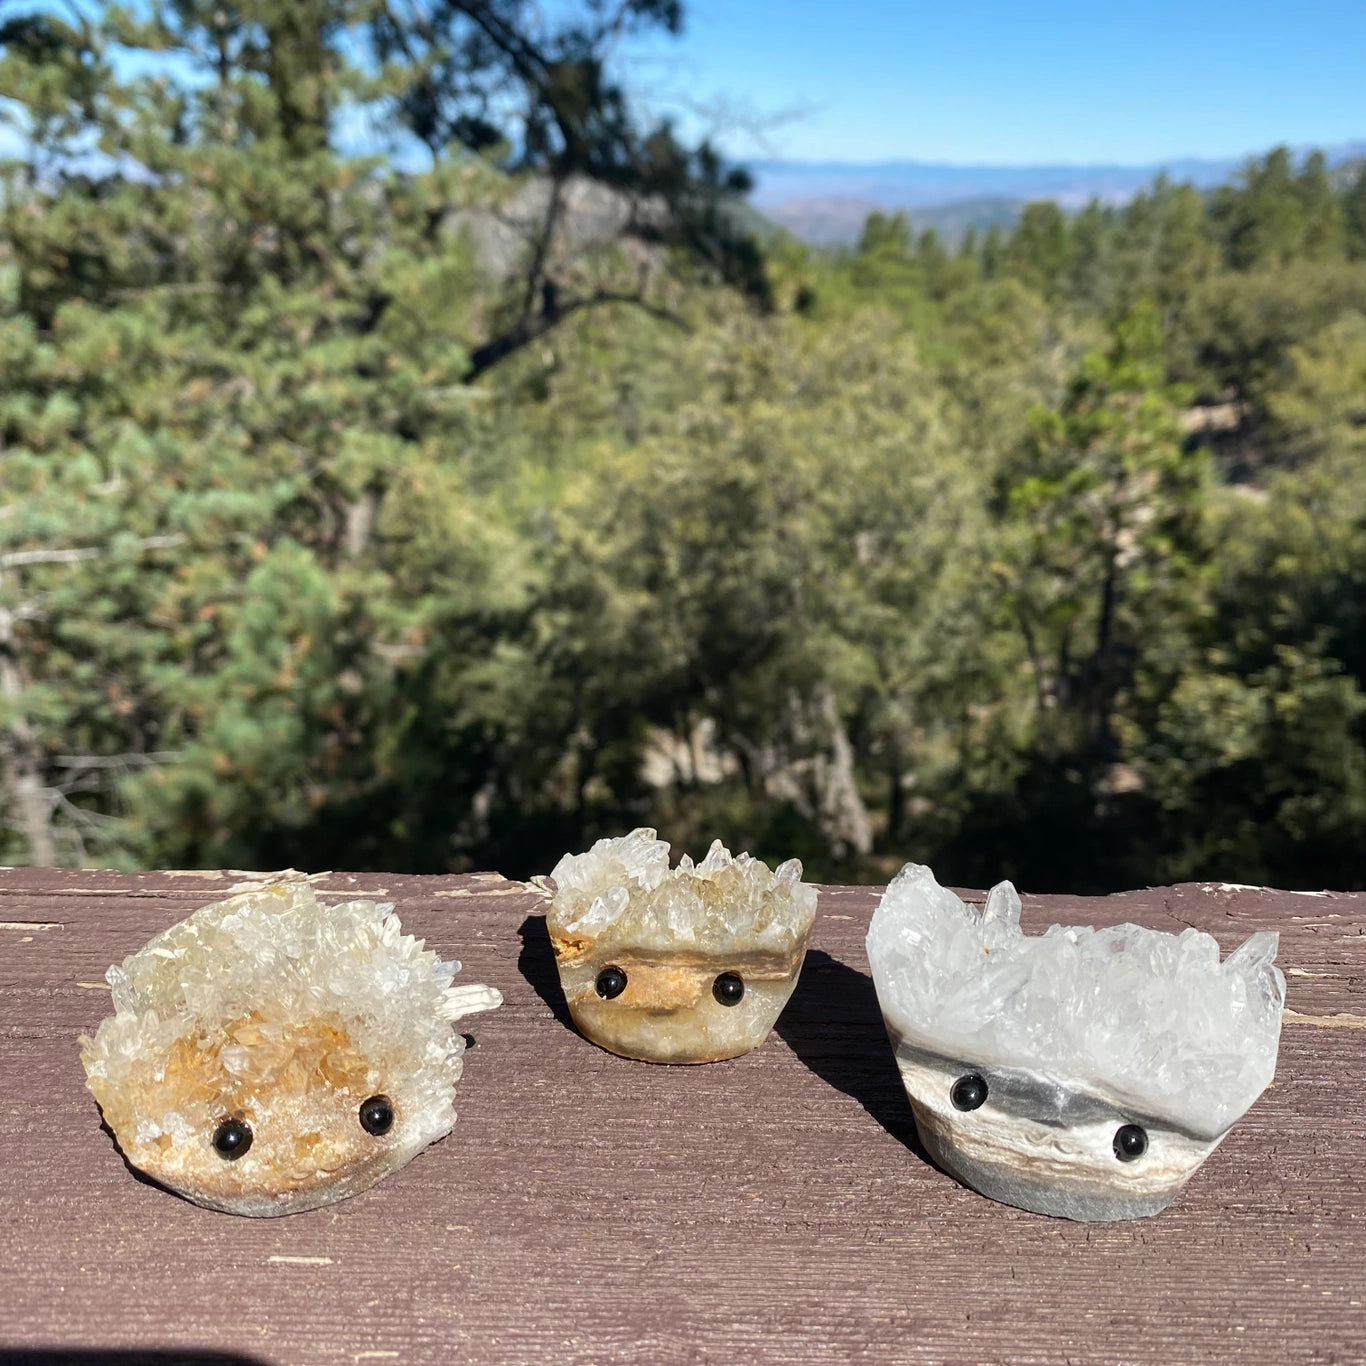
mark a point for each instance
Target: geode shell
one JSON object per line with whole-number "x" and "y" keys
{"x": 1083, "y": 1073}
{"x": 687, "y": 965}
{"x": 271, "y": 1054}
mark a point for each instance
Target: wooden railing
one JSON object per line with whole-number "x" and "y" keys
{"x": 587, "y": 1209}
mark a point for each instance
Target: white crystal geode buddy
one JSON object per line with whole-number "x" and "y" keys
{"x": 272, "y": 1054}
{"x": 1084, "y": 1073}
{"x": 688, "y": 965}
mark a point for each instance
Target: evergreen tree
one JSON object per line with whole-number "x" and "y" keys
{"x": 1037, "y": 251}
{"x": 1354, "y": 215}
{"x": 927, "y": 556}
{"x": 1278, "y": 214}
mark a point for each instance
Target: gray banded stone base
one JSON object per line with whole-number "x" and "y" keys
{"x": 1071, "y": 1200}
{"x": 1044, "y": 1144}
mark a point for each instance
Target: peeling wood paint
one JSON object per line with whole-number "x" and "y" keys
{"x": 1342, "y": 1020}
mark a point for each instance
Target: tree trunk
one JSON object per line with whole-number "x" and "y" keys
{"x": 360, "y": 520}
{"x": 20, "y": 759}
{"x": 842, "y": 812}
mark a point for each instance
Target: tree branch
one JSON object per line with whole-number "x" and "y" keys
{"x": 134, "y": 760}
{"x": 529, "y": 329}
{"x": 16, "y": 558}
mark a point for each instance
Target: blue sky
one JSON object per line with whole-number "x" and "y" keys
{"x": 1018, "y": 81}
{"x": 1004, "y": 82}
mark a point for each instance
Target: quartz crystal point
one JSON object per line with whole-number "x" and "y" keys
{"x": 1084, "y": 1073}
{"x": 272, "y": 1054}
{"x": 691, "y": 964}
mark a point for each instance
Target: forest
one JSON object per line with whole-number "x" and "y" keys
{"x": 455, "y": 495}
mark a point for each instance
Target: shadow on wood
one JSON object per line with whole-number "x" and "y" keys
{"x": 139, "y": 1176}
{"x": 121, "y": 1356}
{"x": 536, "y": 962}
{"x": 833, "y": 1024}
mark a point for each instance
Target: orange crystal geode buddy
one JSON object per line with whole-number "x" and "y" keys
{"x": 692, "y": 964}
{"x": 271, "y": 1054}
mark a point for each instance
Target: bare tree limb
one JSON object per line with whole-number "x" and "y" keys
{"x": 529, "y": 329}
{"x": 20, "y": 557}
{"x": 135, "y": 760}
{"x": 73, "y": 556}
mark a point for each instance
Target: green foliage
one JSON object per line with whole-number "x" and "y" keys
{"x": 1235, "y": 333}
{"x": 1103, "y": 512}
{"x": 1354, "y": 215}
{"x": 339, "y": 529}
{"x": 1038, "y": 249}
{"x": 1279, "y": 215}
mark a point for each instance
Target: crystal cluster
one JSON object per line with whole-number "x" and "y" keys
{"x": 691, "y": 964}
{"x": 1073, "y": 1035}
{"x": 272, "y": 1054}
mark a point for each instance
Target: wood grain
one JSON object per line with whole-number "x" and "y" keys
{"x": 588, "y": 1209}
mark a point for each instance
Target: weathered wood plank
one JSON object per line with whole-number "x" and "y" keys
{"x": 591, "y": 1210}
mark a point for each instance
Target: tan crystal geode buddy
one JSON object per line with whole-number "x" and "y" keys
{"x": 689, "y": 965}
{"x": 271, "y": 1054}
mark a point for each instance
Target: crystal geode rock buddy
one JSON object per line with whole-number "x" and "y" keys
{"x": 688, "y": 965}
{"x": 1084, "y": 1073}
{"x": 272, "y": 1054}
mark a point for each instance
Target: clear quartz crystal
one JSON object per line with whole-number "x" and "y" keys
{"x": 622, "y": 890}
{"x": 1148, "y": 1020}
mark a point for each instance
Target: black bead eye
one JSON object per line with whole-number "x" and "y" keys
{"x": 1131, "y": 1141}
{"x": 377, "y": 1115}
{"x": 969, "y": 1093}
{"x": 728, "y": 989}
{"x": 610, "y": 984}
{"x": 231, "y": 1139}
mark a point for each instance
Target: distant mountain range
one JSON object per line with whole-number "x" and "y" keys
{"x": 825, "y": 203}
